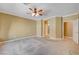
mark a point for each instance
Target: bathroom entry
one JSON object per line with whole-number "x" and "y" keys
{"x": 68, "y": 29}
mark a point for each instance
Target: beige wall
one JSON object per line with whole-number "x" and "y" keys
{"x": 5, "y": 22}
{"x": 58, "y": 27}
{"x": 52, "y": 28}
{"x": 55, "y": 27}
{"x": 12, "y": 26}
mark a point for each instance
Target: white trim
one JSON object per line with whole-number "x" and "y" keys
{"x": 62, "y": 29}
{"x": 8, "y": 13}
{"x": 14, "y": 39}
{"x": 39, "y": 36}
{"x": 70, "y": 14}
{"x": 68, "y": 36}
{"x": 61, "y": 16}
{"x": 52, "y": 38}
{"x": 51, "y": 17}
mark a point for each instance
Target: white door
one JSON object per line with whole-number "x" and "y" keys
{"x": 75, "y": 31}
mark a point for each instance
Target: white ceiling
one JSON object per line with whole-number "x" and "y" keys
{"x": 51, "y": 9}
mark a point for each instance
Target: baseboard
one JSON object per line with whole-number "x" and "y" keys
{"x": 14, "y": 39}
{"x": 38, "y": 36}
{"x": 68, "y": 37}
{"x": 52, "y": 38}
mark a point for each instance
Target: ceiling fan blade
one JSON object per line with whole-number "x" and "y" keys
{"x": 30, "y": 9}
{"x": 40, "y": 10}
{"x": 28, "y": 13}
{"x": 35, "y": 10}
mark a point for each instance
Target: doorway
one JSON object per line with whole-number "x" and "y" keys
{"x": 45, "y": 28}
{"x": 68, "y": 30}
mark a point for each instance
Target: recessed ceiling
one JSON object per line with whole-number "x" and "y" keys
{"x": 51, "y": 9}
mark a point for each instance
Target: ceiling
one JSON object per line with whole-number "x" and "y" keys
{"x": 51, "y": 9}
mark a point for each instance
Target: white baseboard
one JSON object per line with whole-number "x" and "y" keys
{"x": 52, "y": 38}
{"x": 56, "y": 38}
{"x": 14, "y": 39}
{"x": 68, "y": 37}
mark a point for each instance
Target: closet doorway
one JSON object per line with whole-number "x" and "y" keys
{"x": 68, "y": 30}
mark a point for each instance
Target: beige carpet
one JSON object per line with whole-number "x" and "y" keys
{"x": 40, "y": 46}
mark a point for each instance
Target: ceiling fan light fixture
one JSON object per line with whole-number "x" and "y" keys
{"x": 37, "y": 14}
{"x": 36, "y": 11}
{"x": 33, "y": 14}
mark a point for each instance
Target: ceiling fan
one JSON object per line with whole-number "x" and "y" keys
{"x": 35, "y": 11}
